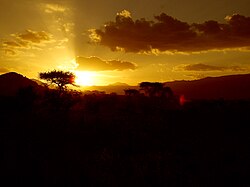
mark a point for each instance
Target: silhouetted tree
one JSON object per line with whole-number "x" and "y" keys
{"x": 131, "y": 92}
{"x": 156, "y": 89}
{"x": 167, "y": 92}
{"x": 58, "y": 78}
{"x": 151, "y": 88}
{"x": 145, "y": 86}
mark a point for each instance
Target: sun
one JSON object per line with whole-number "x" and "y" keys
{"x": 85, "y": 78}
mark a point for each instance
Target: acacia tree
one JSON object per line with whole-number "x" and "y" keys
{"x": 145, "y": 86}
{"x": 151, "y": 88}
{"x": 59, "y": 78}
{"x": 156, "y": 89}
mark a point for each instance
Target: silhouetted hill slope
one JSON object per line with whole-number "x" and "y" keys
{"x": 118, "y": 84}
{"x": 227, "y": 87}
{"x": 119, "y": 89}
{"x": 11, "y": 82}
{"x": 38, "y": 82}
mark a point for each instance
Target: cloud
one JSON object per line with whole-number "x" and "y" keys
{"x": 166, "y": 33}
{"x": 26, "y": 40}
{"x": 205, "y": 67}
{"x": 34, "y": 36}
{"x": 196, "y": 76}
{"x": 97, "y": 64}
{"x": 15, "y": 44}
{"x": 52, "y": 8}
{"x": 66, "y": 27}
{"x": 10, "y": 52}
{"x": 61, "y": 43}
{"x": 124, "y": 13}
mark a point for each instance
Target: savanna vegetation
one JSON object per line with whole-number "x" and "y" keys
{"x": 98, "y": 139}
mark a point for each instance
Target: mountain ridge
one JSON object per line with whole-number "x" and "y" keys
{"x": 226, "y": 87}
{"x": 12, "y": 82}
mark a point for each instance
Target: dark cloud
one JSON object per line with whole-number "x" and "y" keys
{"x": 97, "y": 64}
{"x": 28, "y": 39}
{"x": 205, "y": 67}
{"x": 34, "y": 36}
{"x": 166, "y": 33}
{"x": 15, "y": 44}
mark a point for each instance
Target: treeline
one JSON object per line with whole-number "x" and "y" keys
{"x": 68, "y": 138}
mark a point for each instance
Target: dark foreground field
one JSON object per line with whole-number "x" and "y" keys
{"x": 112, "y": 140}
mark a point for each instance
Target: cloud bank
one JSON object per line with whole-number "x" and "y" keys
{"x": 205, "y": 67}
{"x": 166, "y": 33}
{"x": 26, "y": 40}
{"x": 33, "y": 36}
{"x": 97, "y": 64}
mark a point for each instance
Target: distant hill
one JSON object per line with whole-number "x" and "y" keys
{"x": 38, "y": 82}
{"x": 11, "y": 82}
{"x": 226, "y": 87}
{"x": 118, "y": 84}
{"x": 112, "y": 88}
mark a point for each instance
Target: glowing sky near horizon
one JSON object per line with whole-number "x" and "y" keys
{"x": 125, "y": 41}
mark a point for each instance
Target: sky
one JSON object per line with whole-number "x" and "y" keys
{"x": 127, "y": 41}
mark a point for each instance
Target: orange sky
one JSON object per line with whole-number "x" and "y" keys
{"x": 125, "y": 41}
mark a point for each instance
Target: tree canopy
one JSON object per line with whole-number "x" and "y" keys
{"x": 156, "y": 89}
{"x": 59, "y": 78}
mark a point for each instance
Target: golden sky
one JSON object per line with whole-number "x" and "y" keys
{"x": 126, "y": 41}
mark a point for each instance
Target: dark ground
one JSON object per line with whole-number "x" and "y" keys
{"x": 111, "y": 140}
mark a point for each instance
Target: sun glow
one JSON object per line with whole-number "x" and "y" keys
{"x": 85, "y": 78}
